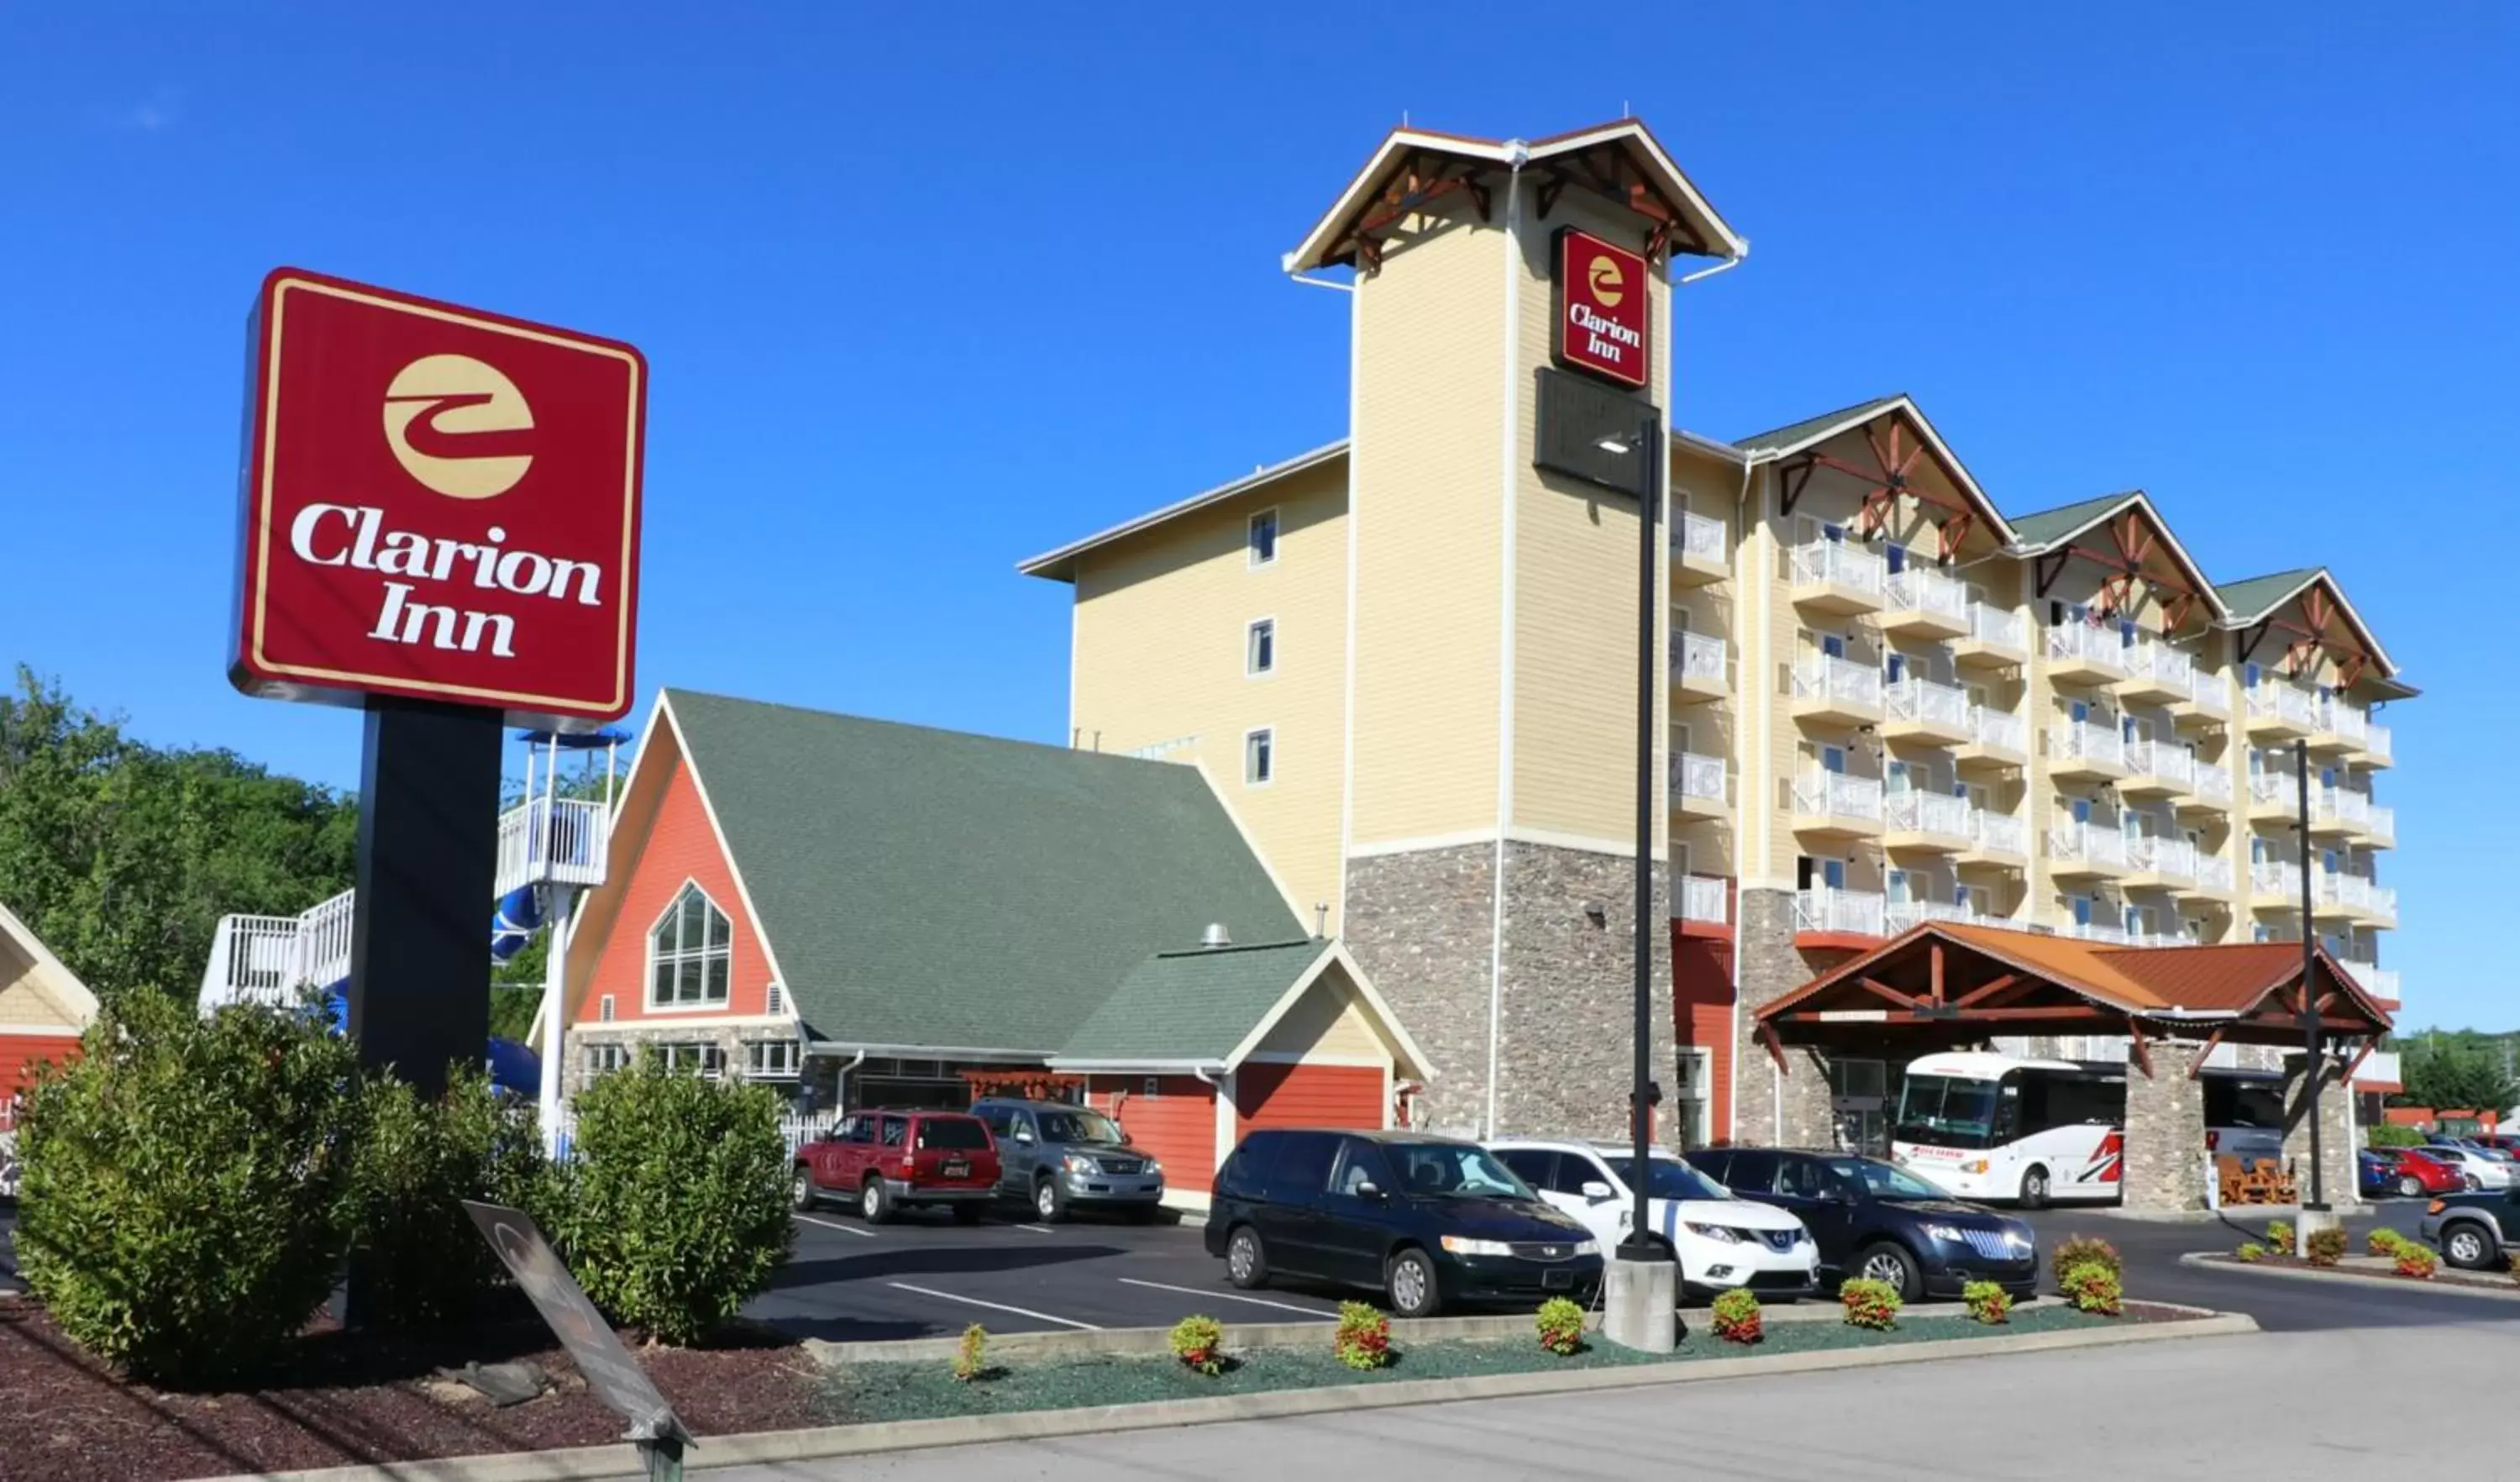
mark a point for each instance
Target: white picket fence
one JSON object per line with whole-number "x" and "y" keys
{"x": 795, "y": 1129}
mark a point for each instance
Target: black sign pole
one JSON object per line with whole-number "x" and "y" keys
{"x": 1639, "y": 1245}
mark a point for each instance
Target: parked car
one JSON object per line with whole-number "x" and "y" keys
{"x": 1053, "y": 1156}
{"x": 2419, "y": 1173}
{"x": 1875, "y": 1219}
{"x": 888, "y": 1161}
{"x": 2476, "y": 1230}
{"x": 2479, "y": 1170}
{"x": 1430, "y": 1222}
{"x": 1720, "y": 1240}
{"x": 2375, "y": 1171}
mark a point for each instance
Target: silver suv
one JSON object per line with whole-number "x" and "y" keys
{"x": 1056, "y": 1156}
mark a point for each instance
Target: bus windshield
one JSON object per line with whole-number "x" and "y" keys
{"x": 1946, "y": 1112}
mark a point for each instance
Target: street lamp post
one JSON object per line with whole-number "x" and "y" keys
{"x": 1639, "y": 1245}
{"x": 2317, "y": 1072}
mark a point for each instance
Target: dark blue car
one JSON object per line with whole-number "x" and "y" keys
{"x": 2376, "y": 1171}
{"x": 1876, "y": 1220}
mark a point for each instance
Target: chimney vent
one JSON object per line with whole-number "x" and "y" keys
{"x": 1215, "y": 937}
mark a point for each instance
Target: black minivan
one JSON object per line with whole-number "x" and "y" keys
{"x": 1429, "y": 1221}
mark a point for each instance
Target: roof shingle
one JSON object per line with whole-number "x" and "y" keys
{"x": 1192, "y": 1006}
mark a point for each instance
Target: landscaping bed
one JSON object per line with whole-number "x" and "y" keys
{"x": 860, "y": 1392}
{"x": 351, "y": 1397}
{"x": 2374, "y": 1266}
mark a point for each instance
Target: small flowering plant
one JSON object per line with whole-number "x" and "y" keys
{"x": 1561, "y": 1326}
{"x": 1199, "y": 1341}
{"x": 1736, "y": 1316}
{"x": 972, "y": 1358}
{"x": 2251, "y": 1250}
{"x": 2416, "y": 1261}
{"x": 1870, "y": 1304}
{"x": 2093, "y": 1288}
{"x": 1987, "y": 1302}
{"x": 1364, "y": 1336}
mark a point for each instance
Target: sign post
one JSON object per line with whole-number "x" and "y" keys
{"x": 611, "y": 1372}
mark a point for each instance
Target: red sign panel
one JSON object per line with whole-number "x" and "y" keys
{"x": 1604, "y": 309}
{"x": 439, "y": 502}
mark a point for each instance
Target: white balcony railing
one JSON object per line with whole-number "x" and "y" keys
{"x": 2379, "y": 1068}
{"x": 2383, "y": 902}
{"x": 1834, "y": 794}
{"x": 2383, "y": 824}
{"x": 1693, "y": 776}
{"x": 2173, "y": 858}
{"x": 1929, "y": 813}
{"x": 2001, "y": 833}
{"x": 1830, "y": 908}
{"x": 2090, "y": 843}
{"x": 1698, "y": 537}
{"x": 1702, "y": 899}
{"x": 2377, "y": 740}
{"x": 2378, "y": 981}
{"x": 2172, "y": 668}
{"x": 1838, "y": 563}
{"x": 2095, "y": 931}
{"x": 2085, "y": 742}
{"x": 1927, "y": 701}
{"x": 272, "y": 959}
{"x": 2210, "y": 692}
{"x": 2350, "y": 892}
{"x": 2342, "y": 717}
{"x": 2213, "y": 782}
{"x": 1825, "y": 676}
{"x": 2165, "y": 760}
{"x": 2098, "y": 646}
{"x": 2002, "y": 627}
{"x": 2277, "y": 789}
{"x": 555, "y": 841}
{"x": 1899, "y": 916}
{"x": 2283, "y": 701}
{"x": 2339, "y": 805}
{"x": 2214, "y": 871}
{"x": 1698, "y": 657}
{"x": 2279, "y": 878}
{"x": 1922, "y": 589}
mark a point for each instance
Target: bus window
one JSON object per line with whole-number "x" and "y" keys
{"x": 1947, "y": 1111}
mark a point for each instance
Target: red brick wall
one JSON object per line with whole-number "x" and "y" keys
{"x": 682, "y": 847}
{"x": 1177, "y": 1124}
{"x": 1701, "y": 1012}
{"x": 19, "y": 1053}
{"x": 1271, "y": 1094}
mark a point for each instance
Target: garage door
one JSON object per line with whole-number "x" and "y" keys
{"x": 1307, "y": 1095}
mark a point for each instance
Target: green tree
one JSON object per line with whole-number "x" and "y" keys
{"x": 2456, "y": 1071}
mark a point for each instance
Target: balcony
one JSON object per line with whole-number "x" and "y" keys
{"x": 2338, "y": 725}
{"x": 2338, "y": 812}
{"x": 2280, "y": 709}
{"x": 1837, "y": 576}
{"x": 1836, "y": 910}
{"x": 1699, "y": 552}
{"x": 1923, "y": 710}
{"x": 2157, "y": 671}
{"x": 2157, "y": 769}
{"x": 2340, "y": 897}
{"x": 1932, "y": 823}
{"x": 2095, "y": 931}
{"x": 1900, "y": 915}
{"x": 1704, "y": 898}
{"x": 1997, "y": 736}
{"x": 2160, "y": 864}
{"x": 1999, "y": 838}
{"x": 1700, "y": 667}
{"x": 2208, "y": 697}
{"x": 2378, "y": 981}
{"x": 2213, "y": 875}
{"x": 2382, "y": 907}
{"x": 1697, "y": 787}
{"x": 2086, "y": 851}
{"x": 1923, "y": 603}
{"x": 2274, "y": 884}
{"x": 1834, "y": 803}
{"x": 2275, "y": 797}
{"x": 1995, "y": 636}
{"x": 2379, "y": 1071}
{"x": 1832, "y": 688}
{"x": 2080, "y": 748}
{"x": 2080, "y": 654}
{"x": 2382, "y": 826}
{"x": 2211, "y": 788}
{"x": 2376, "y": 746}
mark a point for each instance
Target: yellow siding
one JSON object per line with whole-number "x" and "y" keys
{"x": 1328, "y": 1023}
{"x": 20, "y": 1005}
{"x": 1429, "y": 533}
{"x": 1161, "y": 622}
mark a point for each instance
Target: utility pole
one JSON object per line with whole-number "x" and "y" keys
{"x": 2315, "y": 1069}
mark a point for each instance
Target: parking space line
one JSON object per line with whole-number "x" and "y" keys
{"x": 1038, "y": 1229}
{"x": 1200, "y": 1292}
{"x": 1022, "y": 1312}
{"x": 854, "y": 1230}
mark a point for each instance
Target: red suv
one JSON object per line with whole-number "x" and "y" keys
{"x": 890, "y": 1160}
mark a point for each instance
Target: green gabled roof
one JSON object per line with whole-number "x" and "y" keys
{"x": 1795, "y": 431}
{"x": 924, "y": 887}
{"x": 2048, "y": 526}
{"x": 1192, "y": 1006}
{"x": 2253, "y": 598}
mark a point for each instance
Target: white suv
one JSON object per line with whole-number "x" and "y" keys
{"x": 1720, "y": 1242}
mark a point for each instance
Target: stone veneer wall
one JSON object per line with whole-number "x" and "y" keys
{"x": 2165, "y": 1131}
{"x": 2336, "y": 1137}
{"x": 1419, "y": 925}
{"x": 1772, "y": 967}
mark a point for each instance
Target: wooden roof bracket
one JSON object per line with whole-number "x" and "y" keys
{"x": 2135, "y": 1044}
{"x": 1797, "y": 474}
{"x": 2250, "y": 635}
{"x": 2049, "y": 567}
{"x": 2197, "y": 1070}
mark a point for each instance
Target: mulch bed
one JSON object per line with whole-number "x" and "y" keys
{"x": 2447, "y": 1275}
{"x": 353, "y": 1398}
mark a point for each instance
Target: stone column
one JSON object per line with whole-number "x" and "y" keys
{"x": 2335, "y": 1128}
{"x": 1568, "y": 1063}
{"x": 1772, "y": 967}
{"x": 1422, "y": 927}
{"x": 2165, "y": 1131}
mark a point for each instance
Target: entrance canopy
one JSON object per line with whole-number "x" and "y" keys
{"x": 1946, "y": 984}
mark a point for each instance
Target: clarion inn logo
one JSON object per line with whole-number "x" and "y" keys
{"x": 1604, "y": 309}
{"x": 456, "y": 425}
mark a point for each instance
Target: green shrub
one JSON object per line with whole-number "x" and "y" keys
{"x": 1870, "y": 1304}
{"x": 1200, "y": 1342}
{"x": 2280, "y": 1236}
{"x": 1987, "y": 1302}
{"x": 2093, "y": 1288}
{"x": 2391, "y": 1135}
{"x": 186, "y": 1198}
{"x": 2326, "y": 1247}
{"x": 425, "y": 1265}
{"x": 2084, "y": 1250}
{"x": 1561, "y": 1326}
{"x": 1736, "y": 1316}
{"x": 1364, "y": 1336}
{"x": 675, "y": 1210}
{"x": 2251, "y": 1250}
{"x": 2384, "y": 1242}
{"x": 972, "y": 1355}
{"x": 2414, "y": 1260}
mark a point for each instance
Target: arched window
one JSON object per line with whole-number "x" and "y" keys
{"x": 688, "y": 953}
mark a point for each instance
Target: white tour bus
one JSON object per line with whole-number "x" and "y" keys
{"x": 1997, "y": 1127}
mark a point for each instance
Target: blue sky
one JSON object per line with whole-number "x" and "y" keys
{"x": 898, "y": 280}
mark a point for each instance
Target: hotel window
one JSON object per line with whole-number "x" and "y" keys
{"x": 707, "y": 1060}
{"x": 689, "y": 952}
{"x": 772, "y": 1060}
{"x": 1263, "y": 540}
{"x": 1259, "y": 758}
{"x": 603, "y": 1059}
{"x": 1260, "y": 647}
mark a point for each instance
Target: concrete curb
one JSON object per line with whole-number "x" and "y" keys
{"x": 771, "y": 1447}
{"x": 2216, "y": 1261}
